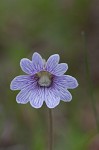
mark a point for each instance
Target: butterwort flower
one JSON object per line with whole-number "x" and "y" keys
{"x": 45, "y": 82}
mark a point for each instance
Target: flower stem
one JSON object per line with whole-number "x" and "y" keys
{"x": 50, "y": 129}
{"x": 89, "y": 80}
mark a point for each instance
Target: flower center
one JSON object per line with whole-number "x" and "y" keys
{"x": 44, "y": 78}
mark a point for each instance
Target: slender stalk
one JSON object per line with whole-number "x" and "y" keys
{"x": 89, "y": 80}
{"x": 50, "y": 129}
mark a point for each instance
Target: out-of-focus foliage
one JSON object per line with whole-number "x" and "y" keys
{"x": 49, "y": 27}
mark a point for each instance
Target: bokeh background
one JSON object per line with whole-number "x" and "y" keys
{"x": 48, "y": 27}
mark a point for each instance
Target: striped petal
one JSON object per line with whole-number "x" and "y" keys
{"x": 37, "y": 98}
{"x": 60, "y": 69}
{"x": 52, "y": 62}
{"x": 66, "y": 81}
{"x": 27, "y": 66}
{"x": 20, "y": 82}
{"x": 37, "y": 61}
{"x": 23, "y": 81}
{"x": 65, "y": 95}
{"x": 71, "y": 82}
{"x": 51, "y": 98}
{"x": 23, "y": 96}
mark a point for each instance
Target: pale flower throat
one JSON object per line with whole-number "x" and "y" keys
{"x": 44, "y": 78}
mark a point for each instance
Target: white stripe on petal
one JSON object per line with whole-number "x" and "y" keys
{"x": 60, "y": 69}
{"x": 52, "y": 62}
{"x": 65, "y": 81}
{"x": 27, "y": 66}
{"x": 22, "y": 81}
{"x": 71, "y": 82}
{"x": 23, "y": 96}
{"x": 37, "y": 61}
{"x": 37, "y": 98}
{"x": 51, "y": 98}
{"x": 65, "y": 95}
{"x": 19, "y": 82}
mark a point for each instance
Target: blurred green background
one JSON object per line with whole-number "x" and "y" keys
{"x": 48, "y": 27}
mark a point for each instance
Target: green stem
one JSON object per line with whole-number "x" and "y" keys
{"x": 50, "y": 129}
{"x": 89, "y": 80}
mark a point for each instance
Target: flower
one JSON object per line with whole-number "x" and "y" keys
{"x": 45, "y": 81}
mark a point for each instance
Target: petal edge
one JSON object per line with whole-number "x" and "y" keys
{"x": 52, "y": 62}
{"x": 60, "y": 69}
{"x": 26, "y": 66}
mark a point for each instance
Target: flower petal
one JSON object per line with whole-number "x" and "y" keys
{"x": 51, "y": 98}
{"x": 27, "y": 66}
{"x": 60, "y": 69}
{"x": 71, "y": 82}
{"x": 22, "y": 81}
{"x": 23, "y": 96}
{"x": 65, "y": 81}
{"x": 52, "y": 62}
{"x": 19, "y": 82}
{"x": 37, "y": 61}
{"x": 37, "y": 98}
{"x": 60, "y": 81}
{"x": 64, "y": 94}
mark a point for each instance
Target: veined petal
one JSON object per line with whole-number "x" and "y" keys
{"x": 71, "y": 82}
{"x": 60, "y": 69}
{"x": 64, "y": 94}
{"x": 37, "y": 98}
{"x": 37, "y": 61}
{"x": 23, "y": 96}
{"x": 22, "y": 81}
{"x": 51, "y": 98}
{"x": 52, "y": 62}
{"x": 27, "y": 66}
{"x": 65, "y": 81}
{"x": 19, "y": 82}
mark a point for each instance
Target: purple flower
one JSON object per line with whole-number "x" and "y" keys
{"x": 45, "y": 81}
